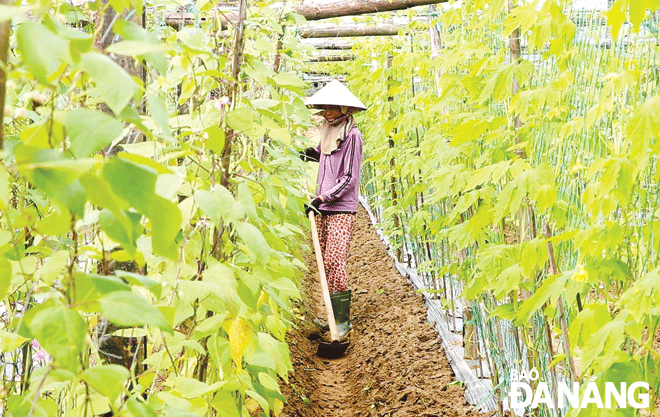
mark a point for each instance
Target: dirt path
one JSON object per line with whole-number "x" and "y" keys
{"x": 395, "y": 365}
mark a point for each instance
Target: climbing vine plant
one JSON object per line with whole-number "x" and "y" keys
{"x": 150, "y": 237}
{"x": 518, "y": 155}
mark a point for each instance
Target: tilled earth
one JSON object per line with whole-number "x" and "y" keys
{"x": 394, "y": 366}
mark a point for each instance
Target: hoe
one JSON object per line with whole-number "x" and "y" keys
{"x": 336, "y": 348}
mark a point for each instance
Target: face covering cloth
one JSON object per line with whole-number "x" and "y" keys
{"x": 333, "y": 132}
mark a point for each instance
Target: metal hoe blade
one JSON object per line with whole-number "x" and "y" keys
{"x": 332, "y": 350}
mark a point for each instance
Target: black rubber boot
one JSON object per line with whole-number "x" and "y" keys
{"x": 341, "y": 306}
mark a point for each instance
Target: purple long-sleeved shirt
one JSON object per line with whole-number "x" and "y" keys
{"x": 338, "y": 180}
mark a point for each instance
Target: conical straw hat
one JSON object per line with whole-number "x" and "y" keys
{"x": 335, "y": 94}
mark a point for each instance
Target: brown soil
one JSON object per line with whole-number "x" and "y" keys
{"x": 394, "y": 366}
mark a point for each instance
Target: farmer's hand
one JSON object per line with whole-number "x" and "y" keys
{"x": 313, "y": 206}
{"x": 310, "y": 154}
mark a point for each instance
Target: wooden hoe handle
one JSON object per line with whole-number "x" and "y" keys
{"x": 324, "y": 282}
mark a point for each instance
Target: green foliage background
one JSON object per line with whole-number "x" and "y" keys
{"x": 187, "y": 242}
{"x": 531, "y": 180}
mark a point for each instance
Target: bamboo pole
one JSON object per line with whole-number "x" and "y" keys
{"x": 349, "y": 31}
{"x": 237, "y": 60}
{"x": 235, "y": 88}
{"x": 560, "y": 303}
{"x": 329, "y": 44}
{"x": 390, "y": 142}
{"x": 313, "y": 11}
{"x": 332, "y": 58}
{"x": 5, "y": 27}
{"x": 436, "y": 46}
{"x": 340, "y": 8}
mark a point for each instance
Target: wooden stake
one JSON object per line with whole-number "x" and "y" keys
{"x": 560, "y": 303}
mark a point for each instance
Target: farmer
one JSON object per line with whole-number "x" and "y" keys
{"x": 339, "y": 154}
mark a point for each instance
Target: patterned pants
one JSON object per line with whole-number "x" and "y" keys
{"x": 335, "y": 233}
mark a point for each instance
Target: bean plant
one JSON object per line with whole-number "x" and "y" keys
{"x": 514, "y": 161}
{"x": 150, "y": 197}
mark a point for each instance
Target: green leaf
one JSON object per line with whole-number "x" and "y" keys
{"x": 99, "y": 192}
{"x": 210, "y": 325}
{"x": 5, "y": 276}
{"x": 9, "y": 342}
{"x": 5, "y": 188}
{"x": 537, "y": 183}
{"x": 61, "y": 332}
{"x": 224, "y": 403}
{"x": 18, "y": 405}
{"x": 504, "y": 311}
{"x": 108, "y": 380}
{"x": 128, "y": 309}
{"x": 43, "y": 134}
{"x": 254, "y": 241}
{"x": 274, "y": 354}
{"x": 55, "y": 264}
{"x": 289, "y": 79}
{"x": 246, "y": 200}
{"x": 158, "y": 110}
{"x": 124, "y": 228}
{"x": 469, "y": 130}
{"x": 120, "y": 5}
{"x": 508, "y": 280}
{"x": 215, "y": 140}
{"x": 209, "y": 203}
{"x": 138, "y": 408}
{"x": 643, "y": 296}
{"x": 240, "y": 119}
{"x": 261, "y": 400}
{"x": 644, "y": 126}
{"x": 43, "y": 51}
{"x": 604, "y": 346}
{"x": 147, "y": 162}
{"x": 285, "y": 287}
{"x": 551, "y": 288}
{"x": 218, "y": 204}
{"x": 192, "y": 388}
{"x": 114, "y": 84}
{"x": 268, "y": 381}
{"x": 166, "y": 221}
{"x": 91, "y": 287}
{"x": 90, "y": 131}
{"x": 155, "y": 287}
{"x": 134, "y": 183}
{"x": 55, "y": 175}
{"x": 265, "y": 103}
{"x": 264, "y": 45}
{"x": 587, "y": 322}
{"x": 55, "y": 223}
{"x": 281, "y": 134}
{"x": 615, "y": 18}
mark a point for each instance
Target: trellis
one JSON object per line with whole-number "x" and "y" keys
{"x": 499, "y": 342}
